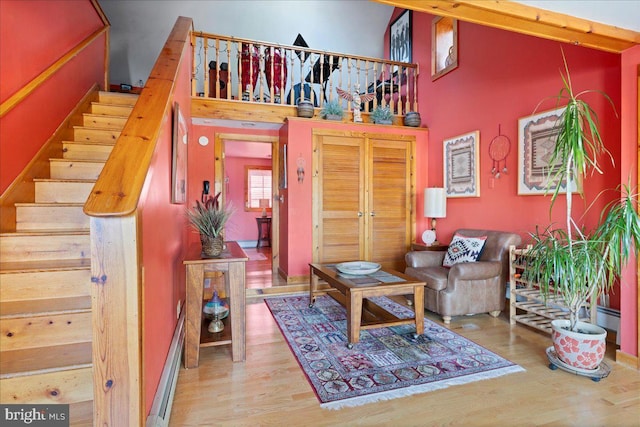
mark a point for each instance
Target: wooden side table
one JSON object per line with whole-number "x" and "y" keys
{"x": 421, "y": 247}
{"x": 232, "y": 264}
{"x": 264, "y": 231}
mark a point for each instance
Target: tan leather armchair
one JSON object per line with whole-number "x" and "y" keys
{"x": 465, "y": 288}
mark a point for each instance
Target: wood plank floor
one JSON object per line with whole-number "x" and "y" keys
{"x": 270, "y": 389}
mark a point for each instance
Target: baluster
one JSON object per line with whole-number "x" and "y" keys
{"x": 366, "y": 84}
{"x": 407, "y": 104}
{"x": 206, "y": 68}
{"x": 262, "y": 69}
{"x": 313, "y": 92}
{"x": 239, "y": 54}
{"x": 416, "y": 71}
{"x": 291, "y": 92}
{"x": 375, "y": 84}
{"x": 229, "y": 74}
{"x": 391, "y": 84}
{"x": 322, "y": 79}
{"x": 217, "y": 68}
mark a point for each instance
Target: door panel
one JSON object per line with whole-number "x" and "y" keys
{"x": 389, "y": 227}
{"x": 340, "y": 219}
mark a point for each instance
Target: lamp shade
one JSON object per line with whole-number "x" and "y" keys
{"x": 435, "y": 203}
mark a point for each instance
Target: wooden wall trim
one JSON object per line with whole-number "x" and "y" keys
{"x": 27, "y": 89}
{"x": 528, "y": 20}
{"x": 118, "y": 189}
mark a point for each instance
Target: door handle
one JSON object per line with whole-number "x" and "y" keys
{"x": 359, "y": 214}
{"x": 372, "y": 213}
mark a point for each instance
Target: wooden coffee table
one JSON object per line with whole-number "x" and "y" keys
{"x": 353, "y": 293}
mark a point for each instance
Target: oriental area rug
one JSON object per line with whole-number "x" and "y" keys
{"x": 387, "y": 362}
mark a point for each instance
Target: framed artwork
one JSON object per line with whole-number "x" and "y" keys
{"x": 462, "y": 165}
{"x": 444, "y": 46}
{"x": 179, "y": 157}
{"x": 400, "y": 38}
{"x": 537, "y": 136}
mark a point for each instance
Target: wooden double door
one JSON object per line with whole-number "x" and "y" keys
{"x": 364, "y": 197}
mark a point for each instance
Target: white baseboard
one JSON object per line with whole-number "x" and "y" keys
{"x": 163, "y": 400}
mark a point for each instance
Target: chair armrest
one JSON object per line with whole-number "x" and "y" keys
{"x": 478, "y": 270}
{"x": 418, "y": 259}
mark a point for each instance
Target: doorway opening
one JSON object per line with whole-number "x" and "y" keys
{"x": 247, "y": 175}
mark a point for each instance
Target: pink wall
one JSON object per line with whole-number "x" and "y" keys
{"x": 33, "y": 35}
{"x": 629, "y": 168}
{"x": 164, "y": 236}
{"x": 242, "y": 225}
{"x": 296, "y": 213}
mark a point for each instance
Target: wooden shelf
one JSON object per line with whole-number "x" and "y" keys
{"x": 528, "y": 306}
{"x": 211, "y": 339}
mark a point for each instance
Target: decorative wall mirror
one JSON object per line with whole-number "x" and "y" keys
{"x": 444, "y": 46}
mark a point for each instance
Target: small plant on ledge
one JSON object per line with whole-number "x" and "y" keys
{"x": 332, "y": 110}
{"x": 382, "y": 115}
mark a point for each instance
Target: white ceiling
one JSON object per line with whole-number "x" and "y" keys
{"x": 619, "y": 13}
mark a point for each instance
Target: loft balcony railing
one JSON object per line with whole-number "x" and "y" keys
{"x": 254, "y": 71}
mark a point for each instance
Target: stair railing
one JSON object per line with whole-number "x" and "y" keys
{"x": 247, "y": 70}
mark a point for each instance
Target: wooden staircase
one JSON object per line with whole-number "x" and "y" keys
{"x": 45, "y": 273}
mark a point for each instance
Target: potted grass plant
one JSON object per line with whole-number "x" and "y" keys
{"x": 576, "y": 264}
{"x": 382, "y": 115}
{"x": 209, "y": 218}
{"x": 332, "y": 110}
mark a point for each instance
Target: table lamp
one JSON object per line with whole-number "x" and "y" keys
{"x": 264, "y": 204}
{"x": 435, "y": 206}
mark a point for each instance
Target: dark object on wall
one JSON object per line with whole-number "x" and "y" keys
{"x": 224, "y": 79}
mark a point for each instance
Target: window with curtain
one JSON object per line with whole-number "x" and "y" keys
{"x": 257, "y": 188}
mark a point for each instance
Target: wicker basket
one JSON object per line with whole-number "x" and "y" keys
{"x": 211, "y": 246}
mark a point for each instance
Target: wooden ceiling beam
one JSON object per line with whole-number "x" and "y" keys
{"x": 512, "y": 16}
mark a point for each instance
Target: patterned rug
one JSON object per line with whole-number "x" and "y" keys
{"x": 386, "y": 363}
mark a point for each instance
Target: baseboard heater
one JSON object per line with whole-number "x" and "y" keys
{"x": 609, "y": 319}
{"x": 163, "y": 400}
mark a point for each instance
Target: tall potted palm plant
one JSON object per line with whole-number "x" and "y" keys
{"x": 571, "y": 262}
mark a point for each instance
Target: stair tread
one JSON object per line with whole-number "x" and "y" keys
{"x": 90, "y": 142}
{"x": 40, "y": 265}
{"x": 45, "y": 371}
{"x": 49, "y": 204}
{"x": 102, "y": 116}
{"x": 43, "y": 233}
{"x": 116, "y": 129}
{"x": 63, "y": 180}
{"x": 58, "y": 159}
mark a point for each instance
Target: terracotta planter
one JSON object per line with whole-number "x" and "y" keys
{"x": 582, "y": 351}
{"x": 211, "y": 246}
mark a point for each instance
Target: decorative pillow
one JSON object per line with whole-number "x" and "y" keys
{"x": 464, "y": 249}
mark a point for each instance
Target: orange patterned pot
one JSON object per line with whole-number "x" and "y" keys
{"x": 580, "y": 350}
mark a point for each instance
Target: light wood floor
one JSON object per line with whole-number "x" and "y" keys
{"x": 270, "y": 389}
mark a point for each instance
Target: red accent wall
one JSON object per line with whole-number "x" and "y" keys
{"x": 33, "y": 35}
{"x": 242, "y": 225}
{"x": 502, "y": 77}
{"x": 164, "y": 235}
